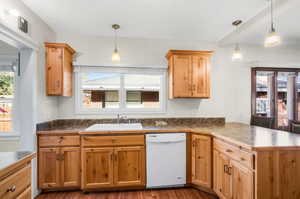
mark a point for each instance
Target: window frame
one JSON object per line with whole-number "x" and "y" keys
{"x": 79, "y": 109}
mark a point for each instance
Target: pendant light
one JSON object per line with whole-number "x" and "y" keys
{"x": 272, "y": 39}
{"x": 237, "y": 55}
{"x": 116, "y": 55}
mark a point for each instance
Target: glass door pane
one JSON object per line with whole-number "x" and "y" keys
{"x": 285, "y": 98}
{"x": 264, "y": 93}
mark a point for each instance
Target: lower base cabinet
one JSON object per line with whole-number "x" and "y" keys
{"x": 18, "y": 184}
{"x": 108, "y": 167}
{"x": 201, "y": 160}
{"x": 232, "y": 179}
{"x": 59, "y": 167}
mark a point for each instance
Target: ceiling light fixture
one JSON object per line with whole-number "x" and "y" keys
{"x": 237, "y": 55}
{"x": 116, "y": 55}
{"x": 273, "y": 38}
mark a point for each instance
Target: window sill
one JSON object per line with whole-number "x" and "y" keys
{"x": 9, "y": 136}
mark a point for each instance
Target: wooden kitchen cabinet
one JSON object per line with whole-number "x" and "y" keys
{"x": 59, "y": 162}
{"x": 222, "y": 179}
{"x": 70, "y": 166}
{"x": 242, "y": 181}
{"x": 49, "y": 168}
{"x": 189, "y": 73}
{"x": 201, "y": 160}
{"x": 129, "y": 166}
{"x": 233, "y": 177}
{"x": 59, "y": 69}
{"x": 97, "y": 167}
{"x": 113, "y": 161}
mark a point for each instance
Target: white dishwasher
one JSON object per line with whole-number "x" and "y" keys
{"x": 166, "y": 160}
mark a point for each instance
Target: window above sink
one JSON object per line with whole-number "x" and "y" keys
{"x": 120, "y": 90}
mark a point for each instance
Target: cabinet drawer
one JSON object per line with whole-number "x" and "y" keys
{"x": 15, "y": 184}
{"x": 89, "y": 141}
{"x": 235, "y": 153}
{"x": 45, "y": 141}
{"x": 26, "y": 194}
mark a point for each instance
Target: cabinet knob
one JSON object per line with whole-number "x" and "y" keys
{"x": 11, "y": 189}
{"x": 229, "y": 150}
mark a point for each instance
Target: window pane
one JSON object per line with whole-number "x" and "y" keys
{"x": 264, "y": 92}
{"x": 6, "y": 97}
{"x": 142, "y": 91}
{"x": 103, "y": 81}
{"x": 285, "y": 92}
{"x": 100, "y": 90}
{"x": 100, "y": 99}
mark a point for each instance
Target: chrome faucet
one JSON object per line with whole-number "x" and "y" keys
{"x": 120, "y": 117}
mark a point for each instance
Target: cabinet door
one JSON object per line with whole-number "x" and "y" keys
{"x": 54, "y": 71}
{"x": 70, "y": 166}
{"x": 242, "y": 181}
{"x": 201, "y": 160}
{"x": 201, "y": 76}
{"x": 222, "y": 179}
{"x": 97, "y": 167}
{"x": 49, "y": 168}
{"x": 129, "y": 166}
{"x": 182, "y": 76}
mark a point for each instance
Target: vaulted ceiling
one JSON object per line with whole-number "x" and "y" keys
{"x": 208, "y": 20}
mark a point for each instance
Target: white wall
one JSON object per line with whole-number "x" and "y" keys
{"x": 231, "y": 89}
{"x": 136, "y": 52}
{"x": 39, "y": 32}
{"x": 34, "y": 105}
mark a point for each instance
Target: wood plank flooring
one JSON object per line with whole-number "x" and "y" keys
{"x": 182, "y": 193}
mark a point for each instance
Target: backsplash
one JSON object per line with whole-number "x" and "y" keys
{"x": 84, "y": 123}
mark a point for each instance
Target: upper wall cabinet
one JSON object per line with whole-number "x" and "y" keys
{"x": 189, "y": 73}
{"x": 59, "y": 69}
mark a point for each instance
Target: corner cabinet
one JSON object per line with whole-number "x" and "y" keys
{"x": 201, "y": 160}
{"x": 59, "y": 69}
{"x": 189, "y": 73}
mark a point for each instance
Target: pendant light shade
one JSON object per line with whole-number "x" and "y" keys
{"x": 237, "y": 54}
{"x": 116, "y": 55}
{"x": 273, "y": 38}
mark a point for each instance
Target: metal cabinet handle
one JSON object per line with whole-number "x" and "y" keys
{"x": 229, "y": 150}
{"x": 11, "y": 189}
{"x": 225, "y": 168}
{"x": 229, "y": 170}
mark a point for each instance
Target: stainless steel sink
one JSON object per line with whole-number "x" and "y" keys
{"x": 115, "y": 127}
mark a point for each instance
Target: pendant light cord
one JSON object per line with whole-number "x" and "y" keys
{"x": 115, "y": 40}
{"x": 272, "y": 16}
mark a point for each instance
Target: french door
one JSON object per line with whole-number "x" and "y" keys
{"x": 276, "y": 93}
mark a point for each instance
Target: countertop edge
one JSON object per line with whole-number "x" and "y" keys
{"x": 7, "y": 170}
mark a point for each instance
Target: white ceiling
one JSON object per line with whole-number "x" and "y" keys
{"x": 286, "y": 24}
{"x": 208, "y": 20}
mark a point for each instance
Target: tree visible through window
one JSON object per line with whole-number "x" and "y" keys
{"x": 6, "y": 100}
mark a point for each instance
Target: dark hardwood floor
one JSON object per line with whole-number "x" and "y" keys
{"x": 182, "y": 193}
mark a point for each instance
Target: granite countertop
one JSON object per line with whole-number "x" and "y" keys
{"x": 251, "y": 137}
{"x": 10, "y": 159}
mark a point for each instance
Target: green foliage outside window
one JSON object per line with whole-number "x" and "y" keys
{"x": 6, "y": 84}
